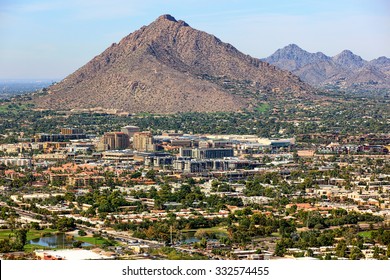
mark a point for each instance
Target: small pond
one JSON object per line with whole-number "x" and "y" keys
{"x": 59, "y": 240}
{"x": 189, "y": 237}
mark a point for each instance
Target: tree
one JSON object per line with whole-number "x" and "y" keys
{"x": 20, "y": 239}
{"x": 328, "y": 257}
{"x": 356, "y": 254}
{"x": 77, "y": 244}
{"x": 82, "y": 232}
{"x": 65, "y": 224}
{"x": 280, "y": 248}
{"x": 136, "y": 174}
{"x": 35, "y": 225}
{"x": 203, "y": 242}
{"x": 309, "y": 253}
{"x": 376, "y": 252}
{"x": 388, "y": 251}
{"x": 151, "y": 174}
{"x": 5, "y": 246}
{"x": 341, "y": 249}
{"x": 200, "y": 233}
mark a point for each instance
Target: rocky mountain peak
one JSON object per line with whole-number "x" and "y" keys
{"x": 293, "y": 57}
{"x": 349, "y": 60}
{"x": 293, "y": 47}
{"x": 166, "y": 67}
{"x": 166, "y": 17}
{"x": 169, "y": 19}
{"x": 291, "y": 51}
{"x": 382, "y": 60}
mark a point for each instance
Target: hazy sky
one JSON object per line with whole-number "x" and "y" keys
{"x": 53, "y": 38}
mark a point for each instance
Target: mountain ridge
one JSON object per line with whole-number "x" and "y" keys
{"x": 345, "y": 70}
{"x": 169, "y": 67}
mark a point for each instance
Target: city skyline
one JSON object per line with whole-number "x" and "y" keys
{"x": 51, "y": 39}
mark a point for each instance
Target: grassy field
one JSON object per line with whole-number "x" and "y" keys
{"x": 31, "y": 234}
{"x": 365, "y": 234}
{"x": 32, "y": 247}
{"x": 216, "y": 230}
{"x": 208, "y": 230}
{"x": 98, "y": 241}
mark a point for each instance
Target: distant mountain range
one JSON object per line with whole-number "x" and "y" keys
{"x": 344, "y": 71}
{"x": 169, "y": 67}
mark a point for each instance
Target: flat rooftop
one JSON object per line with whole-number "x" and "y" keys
{"x": 77, "y": 254}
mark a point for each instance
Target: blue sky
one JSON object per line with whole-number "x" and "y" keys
{"x": 52, "y": 38}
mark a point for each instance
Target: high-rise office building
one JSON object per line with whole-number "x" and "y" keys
{"x": 143, "y": 141}
{"x": 202, "y": 153}
{"x": 130, "y": 130}
{"x": 115, "y": 141}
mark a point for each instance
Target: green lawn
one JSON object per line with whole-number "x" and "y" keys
{"x": 31, "y": 234}
{"x": 32, "y": 247}
{"x": 98, "y": 241}
{"x": 365, "y": 234}
{"x": 216, "y": 230}
{"x": 208, "y": 230}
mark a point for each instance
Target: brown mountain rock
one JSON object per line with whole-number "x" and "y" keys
{"x": 169, "y": 67}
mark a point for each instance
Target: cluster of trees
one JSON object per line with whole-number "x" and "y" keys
{"x": 188, "y": 195}
{"x": 52, "y": 200}
{"x": 161, "y": 230}
{"x": 105, "y": 201}
{"x": 64, "y": 224}
{"x": 381, "y": 236}
{"x": 337, "y": 217}
{"x": 15, "y": 241}
{"x": 6, "y": 212}
{"x": 243, "y": 226}
{"x": 172, "y": 254}
{"x": 271, "y": 116}
{"x": 304, "y": 240}
{"x": 348, "y": 243}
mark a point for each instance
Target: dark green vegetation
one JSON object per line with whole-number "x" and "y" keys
{"x": 172, "y": 254}
{"x": 346, "y": 114}
{"x": 349, "y": 243}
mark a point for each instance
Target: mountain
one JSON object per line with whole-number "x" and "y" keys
{"x": 382, "y": 63}
{"x": 346, "y": 70}
{"x": 293, "y": 57}
{"x": 169, "y": 67}
{"x": 349, "y": 60}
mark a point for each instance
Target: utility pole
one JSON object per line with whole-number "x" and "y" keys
{"x": 171, "y": 236}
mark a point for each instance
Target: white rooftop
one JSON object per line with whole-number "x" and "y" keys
{"x": 76, "y": 254}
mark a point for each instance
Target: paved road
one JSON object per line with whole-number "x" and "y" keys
{"x": 122, "y": 236}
